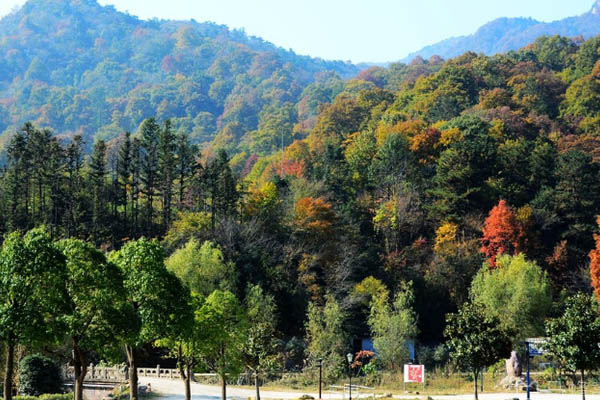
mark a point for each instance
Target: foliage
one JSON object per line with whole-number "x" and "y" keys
{"x": 595, "y": 264}
{"x": 39, "y": 375}
{"x": 260, "y": 350}
{"x": 96, "y": 315}
{"x": 159, "y": 299}
{"x": 517, "y": 292}
{"x": 327, "y": 338}
{"x": 573, "y": 337}
{"x": 223, "y": 324}
{"x": 502, "y": 233}
{"x": 202, "y": 268}
{"x": 32, "y": 272}
{"x": 392, "y": 326}
{"x": 475, "y": 340}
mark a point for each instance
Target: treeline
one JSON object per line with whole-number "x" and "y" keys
{"x": 122, "y": 191}
{"x": 68, "y": 294}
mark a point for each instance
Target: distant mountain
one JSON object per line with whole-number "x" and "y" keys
{"x": 78, "y": 67}
{"x": 505, "y": 34}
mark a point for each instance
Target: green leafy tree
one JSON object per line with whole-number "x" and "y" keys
{"x": 260, "y": 353}
{"x": 32, "y": 272}
{"x": 326, "y": 336}
{"x": 96, "y": 315}
{"x": 573, "y": 338}
{"x": 475, "y": 340}
{"x": 184, "y": 343}
{"x": 393, "y": 325}
{"x": 224, "y": 326}
{"x": 517, "y": 292}
{"x": 202, "y": 267}
{"x": 157, "y": 296}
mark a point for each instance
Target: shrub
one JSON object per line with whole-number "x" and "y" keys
{"x": 39, "y": 375}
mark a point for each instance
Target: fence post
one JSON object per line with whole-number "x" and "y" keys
{"x": 92, "y": 371}
{"x": 158, "y": 370}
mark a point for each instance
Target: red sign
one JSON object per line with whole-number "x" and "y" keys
{"x": 414, "y": 373}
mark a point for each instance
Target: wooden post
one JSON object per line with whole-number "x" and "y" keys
{"x": 92, "y": 371}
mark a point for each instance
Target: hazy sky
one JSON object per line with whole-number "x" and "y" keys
{"x": 356, "y": 30}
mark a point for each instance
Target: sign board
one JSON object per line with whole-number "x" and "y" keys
{"x": 536, "y": 346}
{"x": 414, "y": 373}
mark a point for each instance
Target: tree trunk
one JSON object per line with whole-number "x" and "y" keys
{"x": 79, "y": 369}
{"x": 8, "y": 371}
{"x": 475, "y": 381}
{"x": 188, "y": 389}
{"x": 186, "y": 375}
{"x": 223, "y": 388}
{"x": 582, "y": 384}
{"x": 256, "y": 385}
{"x": 133, "y": 376}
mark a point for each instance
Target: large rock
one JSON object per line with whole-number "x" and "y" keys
{"x": 513, "y": 365}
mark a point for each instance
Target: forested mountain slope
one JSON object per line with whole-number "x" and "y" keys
{"x": 505, "y": 34}
{"x": 413, "y": 173}
{"x": 78, "y": 67}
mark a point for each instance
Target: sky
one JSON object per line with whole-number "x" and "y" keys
{"x": 354, "y": 30}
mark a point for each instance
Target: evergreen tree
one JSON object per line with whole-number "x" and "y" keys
{"x": 124, "y": 167}
{"x": 166, "y": 170}
{"x": 149, "y": 173}
{"x": 186, "y": 166}
{"x": 97, "y": 165}
{"x": 74, "y": 199}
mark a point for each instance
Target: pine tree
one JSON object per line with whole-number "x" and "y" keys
{"x": 186, "y": 165}
{"x": 18, "y": 177}
{"x": 150, "y": 132}
{"x": 124, "y": 167}
{"x": 136, "y": 166}
{"x": 97, "y": 164}
{"x": 74, "y": 201}
{"x": 166, "y": 170}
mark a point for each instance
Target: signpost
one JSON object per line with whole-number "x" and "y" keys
{"x": 533, "y": 347}
{"x": 414, "y": 374}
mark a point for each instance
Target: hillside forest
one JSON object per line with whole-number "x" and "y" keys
{"x": 393, "y": 196}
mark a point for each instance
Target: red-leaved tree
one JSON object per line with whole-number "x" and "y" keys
{"x": 502, "y": 233}
{"x": 595, "y": 264}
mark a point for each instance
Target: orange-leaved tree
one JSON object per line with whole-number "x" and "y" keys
{"x": 502, "y": 233}
{"x": 595, "y": 264}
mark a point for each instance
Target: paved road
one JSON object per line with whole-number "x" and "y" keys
{"x": 173, "y": 390}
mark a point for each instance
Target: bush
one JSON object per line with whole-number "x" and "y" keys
{"x": 39, "y": 375}
{"x": 66, "y": 396}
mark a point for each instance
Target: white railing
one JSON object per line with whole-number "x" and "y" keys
{"x": 120, "y": 374}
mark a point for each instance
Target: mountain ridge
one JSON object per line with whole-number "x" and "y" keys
{"x": 79, "y": 67}
{"x": 506, "y": 34}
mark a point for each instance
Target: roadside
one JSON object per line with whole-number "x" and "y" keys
{"x": 173, "y": 389}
